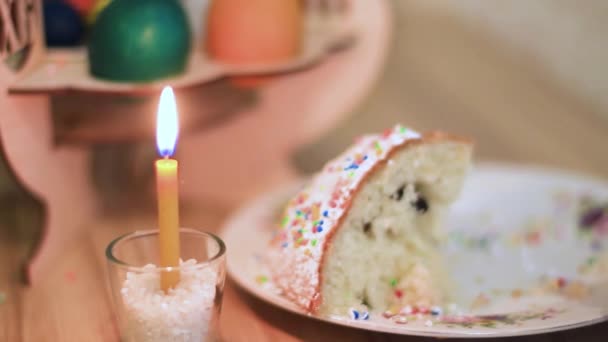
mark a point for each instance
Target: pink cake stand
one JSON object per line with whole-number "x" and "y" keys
{"x": 226, "y": 164}
{"x": 59, "y": 177}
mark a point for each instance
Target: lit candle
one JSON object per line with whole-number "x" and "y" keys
{"x": 167, "y": 128}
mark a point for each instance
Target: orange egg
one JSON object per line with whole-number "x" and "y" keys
{"x": 254, "y": 31}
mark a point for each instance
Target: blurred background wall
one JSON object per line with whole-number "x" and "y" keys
{"x": 496, "y": 71}
{"x": 565, "y": 38}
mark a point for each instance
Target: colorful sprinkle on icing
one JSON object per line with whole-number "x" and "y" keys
{"x": 358, "y": 315}
{"x": 261, "y": 279}
{"x": 329, "y": 193}
{"x": 406, "y": 310}
{"x": 436, "y": 311}
{"x": 312, "y": 214}
{"x": 377, "y": 148}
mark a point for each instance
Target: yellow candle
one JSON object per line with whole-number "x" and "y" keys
{"x": 168, "y": 220}
{"x": 167, "y": 188}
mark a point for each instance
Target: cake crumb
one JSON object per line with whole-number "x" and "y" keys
{"x": 576, "y": 290}
{"x": 400, "y": 320}
{"x": 517, "y": 293}
{"x": 480, "y": 301}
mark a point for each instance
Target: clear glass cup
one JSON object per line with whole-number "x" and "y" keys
{"x": 190, "y": 311}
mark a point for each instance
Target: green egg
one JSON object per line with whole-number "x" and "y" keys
{"x": 139, "y": 41}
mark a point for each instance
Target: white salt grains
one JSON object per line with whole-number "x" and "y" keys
{"x": 184, "y": 314}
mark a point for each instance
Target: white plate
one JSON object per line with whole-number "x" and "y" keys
{"x": 520, "y": 262}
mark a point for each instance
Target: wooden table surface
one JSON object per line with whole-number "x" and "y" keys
{"x": 72, "y": 301}
{"x": 441, "y": 74}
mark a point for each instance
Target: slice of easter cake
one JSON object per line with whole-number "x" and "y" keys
{"x": 365, "y": 231}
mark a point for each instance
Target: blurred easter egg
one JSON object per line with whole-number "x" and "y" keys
{"x": 82, "y": 6}
{"x": 254, "y": 31}
{"x": 62, "y": 24}
{"x": 98, "y": 6}
{"x": 139, "y": 40}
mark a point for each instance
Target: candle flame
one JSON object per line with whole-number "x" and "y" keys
{"x": 167, "y": 125}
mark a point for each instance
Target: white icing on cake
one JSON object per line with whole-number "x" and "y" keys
{"x": 310, "y": 217}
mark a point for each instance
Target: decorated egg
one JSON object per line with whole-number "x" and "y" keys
{"x": 62, "y": 24}
{"x": 254, "y": 31}
{"x": 139, "y": 40}
{"x": 82, "y": 6}
{"x": 98, "y": 6}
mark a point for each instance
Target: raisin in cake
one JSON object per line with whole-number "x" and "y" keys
{"x": 366, "y": 230}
